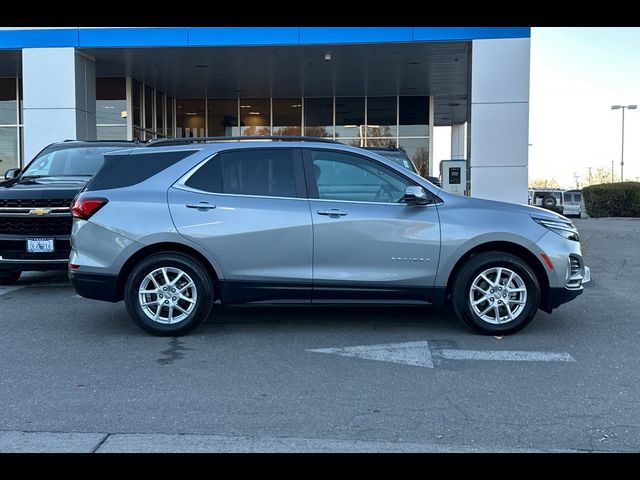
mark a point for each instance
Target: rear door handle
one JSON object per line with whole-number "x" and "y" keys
{"x": 204, "y": 206}
{"x": 333, "y": 212}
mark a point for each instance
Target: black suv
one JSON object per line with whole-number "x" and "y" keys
{"x": 35, "y": 216}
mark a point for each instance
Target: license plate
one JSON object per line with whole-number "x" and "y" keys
{"x": 40, "y": 245}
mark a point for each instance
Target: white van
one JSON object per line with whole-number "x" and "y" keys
{"x": 572, "y": 200}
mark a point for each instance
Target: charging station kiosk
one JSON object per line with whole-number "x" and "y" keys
{"x": 454, "y": 176}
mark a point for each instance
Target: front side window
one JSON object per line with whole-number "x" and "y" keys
{"x": 68, "y": 162}
{"x": 263, "y": 172}
{"x": 342, "y": 176}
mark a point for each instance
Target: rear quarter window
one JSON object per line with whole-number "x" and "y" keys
{"x": 121, "y": 171}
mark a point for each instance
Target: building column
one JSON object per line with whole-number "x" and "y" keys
{"x": 59, "y": 90}
{"x": 500, "y": 119}
{"x": 458, "y": 137}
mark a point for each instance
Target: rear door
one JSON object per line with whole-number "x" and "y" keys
{"x": 368, "y": 244}
{"x": 248, "y": 208}
{"x": 569, "y": 207}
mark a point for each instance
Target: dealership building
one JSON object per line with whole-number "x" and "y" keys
{"x": 366, "y": 86}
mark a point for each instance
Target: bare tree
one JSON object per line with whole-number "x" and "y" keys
{"x": 421, "y": 161}
{"x": 544, "y": 183}
{"x": 600, "y": 175}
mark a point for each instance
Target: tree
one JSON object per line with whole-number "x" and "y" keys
{"x": 421, "y": 161}
{"x": 598, "y": 176}
{"x": 544, "y": 183}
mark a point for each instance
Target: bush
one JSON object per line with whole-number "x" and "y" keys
{"x": 612, "y": 199}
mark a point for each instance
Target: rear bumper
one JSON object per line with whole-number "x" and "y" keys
{"x": 95, "y": 286}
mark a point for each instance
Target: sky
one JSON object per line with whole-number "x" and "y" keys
{"x": 576, "y": 75}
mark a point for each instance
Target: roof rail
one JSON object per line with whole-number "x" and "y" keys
{"x": 100, "y": 141}
{"x": 274, "y": 138}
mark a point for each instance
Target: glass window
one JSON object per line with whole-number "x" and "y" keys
{"x": 350, "y": 117}
{"x": 223, "y": 117}
{"x": 190, "y": 117}
{"x": 159, "y": 112}
{"x": 417, "y": 149}
{"x": 109, "y": 132}
{"x": 169, "y": 116}
{"x": 343, "y": 176}
{"x": 8, "y": 111}
{"x": 382, "y": 115}
{"x": 577, "y": 197}
{"x": 70, "y": 161}
{"x": 266, "y": 172}
{"x": 136, "y": 102}
{"x": 8, "y": 149}
{"x": 398, "y": 157}
{"x": 138, "y": 133}
{"x": 148, "y": 108}
{"x": 414, "y": 116}
{"x": 287, "y": 116}
{"x": 111, "y": 101}
{"x": 255, "y": 116}
{"x": 318, "y": 117}
{"x": 20, "y": 98}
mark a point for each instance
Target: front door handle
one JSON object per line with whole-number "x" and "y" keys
{"x": 333, "y": 213}
{"x": 203, "y": 206}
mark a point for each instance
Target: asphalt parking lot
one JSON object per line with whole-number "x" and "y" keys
{"x": 78, "y": 375}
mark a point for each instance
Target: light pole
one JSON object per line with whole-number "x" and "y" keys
{"x": 623, "y": 108}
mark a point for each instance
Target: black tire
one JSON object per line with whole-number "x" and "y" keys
{"x": 549, "y": 201}
{"x": 203, "y": 286}
{"x": 8, "y": 278}
{"x": 463, "y": 282}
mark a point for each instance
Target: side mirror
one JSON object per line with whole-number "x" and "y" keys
{"x": 416, "y": 195}
{"x": 11, "y": 173}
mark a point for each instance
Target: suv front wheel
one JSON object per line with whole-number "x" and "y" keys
{"x": 496, "y": 293}
{"x": 168, "y": 294}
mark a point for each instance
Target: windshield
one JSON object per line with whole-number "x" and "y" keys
{"x": 398, "y": 158}
{"x": 68, "y": 162}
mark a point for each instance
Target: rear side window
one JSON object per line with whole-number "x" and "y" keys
{"x": 125, "y": 170}
{"x": 264, "y": 172}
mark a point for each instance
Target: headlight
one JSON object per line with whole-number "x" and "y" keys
{"x": 565, "y": 229}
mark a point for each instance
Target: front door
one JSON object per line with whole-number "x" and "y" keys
{"x": 248, "y": 208}
{"x": 368, "y": 243}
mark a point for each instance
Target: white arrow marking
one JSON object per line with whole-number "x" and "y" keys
{"x": 505, "y": 355}
{"x": 408, "y": 353}
{"x": 418, "y": 354}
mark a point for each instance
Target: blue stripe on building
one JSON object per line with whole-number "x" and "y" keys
{"x": 239, "y": 36}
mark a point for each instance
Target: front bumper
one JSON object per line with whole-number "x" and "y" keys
{"x": 14, "y": 257}
{"x": 96, "y": 286}
{"x": 558, "y": 296}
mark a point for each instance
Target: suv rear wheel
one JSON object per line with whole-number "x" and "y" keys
{"x": 168, "y": 294}
{"x": 496, "y": 293}
{"x": 7, "y": 278}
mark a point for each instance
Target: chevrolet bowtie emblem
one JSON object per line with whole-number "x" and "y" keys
{"x": 39, "y": 211}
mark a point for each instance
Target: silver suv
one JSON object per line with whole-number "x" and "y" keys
{"x": 172, "y": 228}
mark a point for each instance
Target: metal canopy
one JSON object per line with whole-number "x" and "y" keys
{"x": 431, "y": 68}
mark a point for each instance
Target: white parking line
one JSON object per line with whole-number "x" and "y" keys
{"x": 504, "y": 355}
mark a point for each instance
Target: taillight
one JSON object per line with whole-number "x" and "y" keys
{"x": 83, "y": 208}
